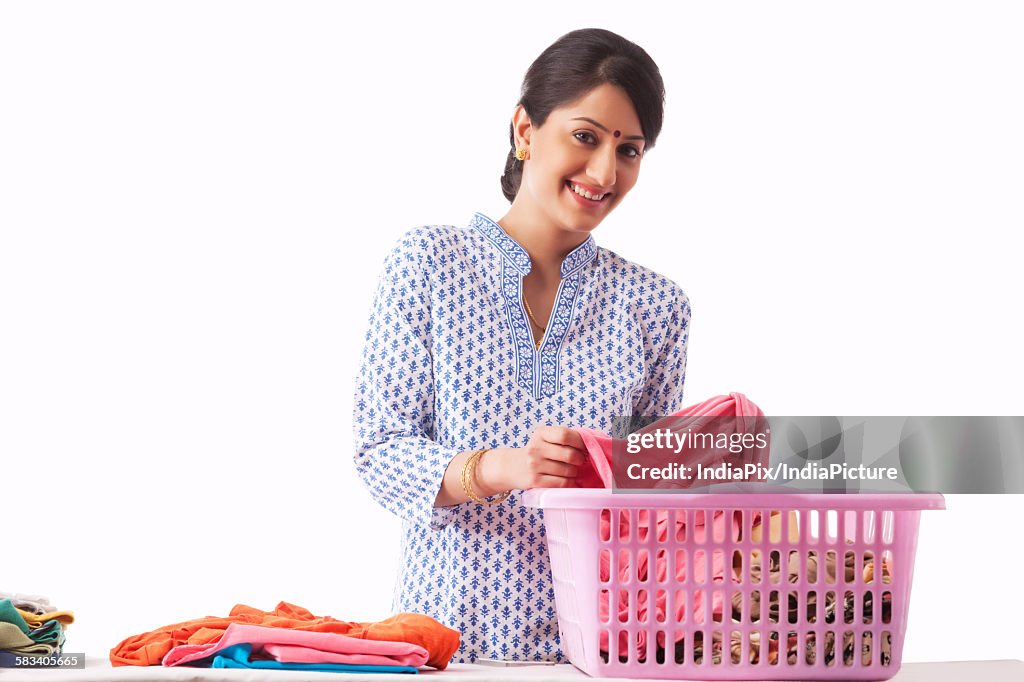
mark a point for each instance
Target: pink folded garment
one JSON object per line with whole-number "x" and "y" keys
{"x": 599, "y": 474}
{"x": 302, "y": 646}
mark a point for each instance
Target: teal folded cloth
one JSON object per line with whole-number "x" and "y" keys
{"x": 52, "y": 632}
{"x": 9, "y": 614}
{"x": 240, "y": 656}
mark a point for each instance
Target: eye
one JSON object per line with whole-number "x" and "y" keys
{"x": 585, "y": 136}
{"x": 631, "y": 151}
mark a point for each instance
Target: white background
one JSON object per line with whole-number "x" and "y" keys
{"x": 196, "y": 198}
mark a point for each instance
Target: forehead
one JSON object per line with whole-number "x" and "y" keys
{"x": 607, "y": 104}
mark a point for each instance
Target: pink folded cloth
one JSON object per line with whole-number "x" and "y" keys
{"x": 302, "y": 646}
{"x": 599, "y": 474}
{"x": 599, "y": 445}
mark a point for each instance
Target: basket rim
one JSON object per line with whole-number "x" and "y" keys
{"x": 600, "y": 498}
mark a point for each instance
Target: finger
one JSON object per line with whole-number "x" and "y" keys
{"x": 553, "y": 468}
{"x": 563, "y": 435}
{"x": 566, "y": 454}
{"x": 555, "y": 482}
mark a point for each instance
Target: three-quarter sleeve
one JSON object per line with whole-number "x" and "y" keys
{"x": 396, "y": 455}
{"x": 662, "y": 393}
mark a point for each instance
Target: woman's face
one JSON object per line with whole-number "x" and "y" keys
{"x": 592, "y": 146}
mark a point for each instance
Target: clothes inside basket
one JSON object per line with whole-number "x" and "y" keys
{"x": 839, "y": 607}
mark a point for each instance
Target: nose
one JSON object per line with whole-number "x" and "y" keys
{"x": 602, "y": 166}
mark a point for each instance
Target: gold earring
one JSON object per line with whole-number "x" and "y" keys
{"x": 521, "y": 154}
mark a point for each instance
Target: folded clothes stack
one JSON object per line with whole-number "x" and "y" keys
{"x": 30, "y": 627}
{"x": 292, "y": 638}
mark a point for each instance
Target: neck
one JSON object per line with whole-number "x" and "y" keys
{"x": 547, "y": 245}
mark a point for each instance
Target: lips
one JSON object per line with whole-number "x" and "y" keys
{"x": 589, "y": 189}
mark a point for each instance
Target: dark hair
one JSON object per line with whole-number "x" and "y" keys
{"x": 574, "y": 65}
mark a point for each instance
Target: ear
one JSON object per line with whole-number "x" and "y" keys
{"x": 522, "y": 127}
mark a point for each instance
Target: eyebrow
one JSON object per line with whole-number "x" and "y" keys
{"x": 590, "y": 120}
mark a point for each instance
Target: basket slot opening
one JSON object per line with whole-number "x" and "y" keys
{"x": 755, "y": 606}
{"x": 773, "y": 648}
{"x": 830, "y": 567}
{"x": 643, "y": 525}
{"x": 604, "y": 565}
{"x": 865, "y": 649}
{"x": 796, "y": 574}
{"x": 700, "y": 567}
{"x": 888, "y": 527}
{"x": 848, "y": 604}
{"x": 869, "y": 525}
{"x": 887, "y": 607}
{"x": 888, "y": 568}
{"x": 737, "y": 567}
{"x": 642, "y": 565}
{"x": 624, "y": 525}
{"x": 604, "y": 606}
{"x": 717, "y": 607}
{"x": 681, "y": 573}
{"x": 661, "y": 605}
{"x": 813, "y": 534}
{"x": 716, "y": 647}
{"x": 680, "y": 647}
{"x": 604, "y": 525}
{"x": 774, "y": 568}
{"x": 793, "y": 602}
{"x": 698, "y": 647}
{"x": 625, "y": 572}
{"x": 718, "y": 525}
{"x": 812, "y": 566}
{"x": 830, "y": 648}
{"x": 681, "y": 525}
{"x": 661, "y": 565}
{"x": 699, "y": 527}
{"x": 868, "y": 567}
{"x": 885, "y": 648}
{"x": 831, "y": 526}
{"x": 641, "y": 606}
{"x": 848, "y": 647}
{"x": 830, "y": 607}
{"x": 623, "y": 606}
{"x": 679, "y": 614}
{"x": 812, "y": 607}
{"x": 773, "y": 606}
{"x": 735, "y": 647}
{"x": 850, "y": 567}
{"x": 810, "y": 649}
{"x": 792, "y": 647}
{"x": 867, "y": 607}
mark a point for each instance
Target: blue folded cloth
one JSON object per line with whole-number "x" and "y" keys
{"x": 240, "y": 656}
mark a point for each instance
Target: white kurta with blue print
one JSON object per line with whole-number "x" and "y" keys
{"x": 449, "y": 364}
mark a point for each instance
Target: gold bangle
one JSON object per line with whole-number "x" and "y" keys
{"x": 469, "y": 473}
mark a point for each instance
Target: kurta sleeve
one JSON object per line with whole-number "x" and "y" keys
{"x": 396, "y": 455}
{"x": 662, "y": 393}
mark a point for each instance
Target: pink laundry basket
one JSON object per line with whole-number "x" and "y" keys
{"x": 818, "y": 591}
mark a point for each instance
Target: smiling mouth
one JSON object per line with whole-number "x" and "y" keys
{"x": 584, "y": 194}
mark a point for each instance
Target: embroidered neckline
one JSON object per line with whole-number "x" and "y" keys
{"x": 518, "y": 256}
{"x": 537, "y": 369}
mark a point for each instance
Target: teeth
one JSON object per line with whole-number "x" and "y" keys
{"x": 584, "y": 193}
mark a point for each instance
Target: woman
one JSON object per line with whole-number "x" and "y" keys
{"x": 488, "y": 344}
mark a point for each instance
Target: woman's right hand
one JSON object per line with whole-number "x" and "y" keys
{"x": 550, "y": 459}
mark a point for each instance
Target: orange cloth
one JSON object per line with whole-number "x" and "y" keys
{"x": 149, "y": 648}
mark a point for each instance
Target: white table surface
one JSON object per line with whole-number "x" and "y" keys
{"x": 100, "y": 670}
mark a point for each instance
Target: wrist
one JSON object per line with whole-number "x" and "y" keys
{"x": 489, "y": 472}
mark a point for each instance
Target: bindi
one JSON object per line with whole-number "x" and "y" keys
{"x": 617, "y": 133}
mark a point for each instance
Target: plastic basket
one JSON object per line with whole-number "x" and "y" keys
{"x": 737, "y": 586}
